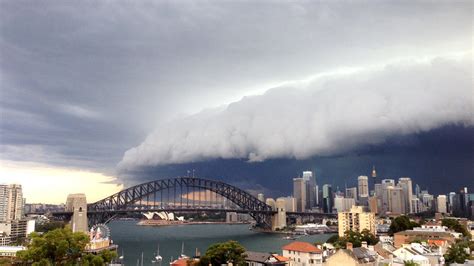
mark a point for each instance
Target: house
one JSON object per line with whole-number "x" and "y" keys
{"x": 408, "y": 236}
{"x": 352, "y": 257}
{"x": 302, "y": 254}
{"x": 262, "y": 259}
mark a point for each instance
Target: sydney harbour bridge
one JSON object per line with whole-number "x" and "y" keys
{"x": 181, "y": 195}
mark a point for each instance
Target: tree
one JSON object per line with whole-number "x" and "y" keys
{"x": 401, "y": 223}
{"x": 457, "y": 253}
{"x": 410, "y": 263}
{"x": 454, "y": 224}
{"x": 355, "y": 238}
{"x": 49, "y": 226}
{"x": 223, "y": 253}
{"x": 55, "y": 247}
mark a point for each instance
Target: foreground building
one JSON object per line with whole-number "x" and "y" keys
{"x": 352, "y": 257}
{"x": 261, "y": 259}
{"x": 408, "y": 236}
{"x": 302, "y": 254}
{"x": 356, "y": 220}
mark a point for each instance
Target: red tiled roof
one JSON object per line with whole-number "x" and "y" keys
{"x": 302, "y": 247}
{"x": 281, "y": 258}
{"x": 179, "y": 262}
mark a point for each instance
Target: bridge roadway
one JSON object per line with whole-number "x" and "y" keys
{"x": 139, "y": 210}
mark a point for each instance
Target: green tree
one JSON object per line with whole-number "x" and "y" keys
{"x": 457, "y": 253}
{"x": 454, "y": 224}
{"x": 58, "y": 246}
{"x": 223, "y": 253}
{"x": 401, "y": 223}
{"x": 49, "y": 226}
{"x": 410, "y": 263}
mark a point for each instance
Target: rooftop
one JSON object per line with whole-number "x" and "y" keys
{"x": 302, "y": 247}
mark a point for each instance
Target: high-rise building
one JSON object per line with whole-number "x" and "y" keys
{"x": 417, "y": 190}
{"x": 351, "y": 193}
{"x": 299, "y": 193}
{"x": 407, "y": 193}
{"x": 451, "y": 198}
{"x": 261, "y": 197}
{"x": 3, "y": 202}
{"x": 441, "y": 204}
{"x": 356, "y": 220}
{"x": 311, "y": 193}
{"x": 392, "y": 198}
{"x": 328, "y": 203}
{"x": 363, "y": 184}
{"x": 342, "y": 204}
{"x": 11, "y": 202}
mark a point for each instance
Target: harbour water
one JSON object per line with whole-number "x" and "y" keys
{"x": 134, "y": 239}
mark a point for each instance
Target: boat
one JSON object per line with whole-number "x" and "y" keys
{"x": 290, "y": 237}
{"x": 157, "y": 258}
{"x": 182, "y": 256}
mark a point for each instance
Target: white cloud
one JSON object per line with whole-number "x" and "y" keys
{"x": 325, "y": 115}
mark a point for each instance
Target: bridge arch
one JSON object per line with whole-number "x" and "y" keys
{"x": 122, "y": 200}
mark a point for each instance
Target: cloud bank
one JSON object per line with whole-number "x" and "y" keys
{"x": 328, "y": 115}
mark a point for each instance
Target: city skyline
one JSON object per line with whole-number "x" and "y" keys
{"x": 93, "y": 101}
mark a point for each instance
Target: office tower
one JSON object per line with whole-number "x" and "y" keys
{"x": 373, "y": 204}
{"x": 441, "y": 204}
{"x": 451, "y": 197}
{"x": 351, "y": 193}
{"x": 396, "y": 202}
{"x": 407, "y": 189}
{"x": 363, "y": 184}
{"x": 355, "y": 220}
{"x": 416, "y": 205}
{"x": 299, "y": 193}
{"x": 417, "y": 190}
{"x": 261, "y": 197}
{"x": 327, "y": 198}
{"x": 311, "y": 196}
{"x": 342, "y": 204}
{"x": 427, "y": 201}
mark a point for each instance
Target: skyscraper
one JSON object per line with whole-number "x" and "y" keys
{"x": 441, "y": 204}
{"x": 299, "y": 193}
{"x": 327, "y": 198}
{"x": 363, "y": 189}
{"x": 407, "y": 189}
{"x": 261, "y": 197}
{"x": 311, "y": 193}
{"x": 351, "y": 193}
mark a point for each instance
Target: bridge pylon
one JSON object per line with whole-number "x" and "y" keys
{"x": 77, "y": 204}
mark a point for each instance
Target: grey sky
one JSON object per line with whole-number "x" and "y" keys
{"x": 82, "y": 82}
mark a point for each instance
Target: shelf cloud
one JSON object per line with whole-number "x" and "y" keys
{"x": 325, "y": 115}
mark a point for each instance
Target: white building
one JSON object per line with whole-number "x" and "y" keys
{"x": 302, "y": 254}
{"x": 441, "y": 206}
{"x": 343, "y": 204}
{"x": 407, "y": 193}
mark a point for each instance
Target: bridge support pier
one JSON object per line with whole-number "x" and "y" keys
{"x": 279, "y": 218}
{"x": 77, "y": 204}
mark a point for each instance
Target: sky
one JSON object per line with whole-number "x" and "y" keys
{"x": 112, "y": 93}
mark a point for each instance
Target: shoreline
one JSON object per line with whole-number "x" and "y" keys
{"x": 170, "y": 223}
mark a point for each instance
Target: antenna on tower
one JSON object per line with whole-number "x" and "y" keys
{"x": 374, "y": 173}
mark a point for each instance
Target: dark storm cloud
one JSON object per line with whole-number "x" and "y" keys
{"x": 429, "y": 158}
{"x": 81, "y": 82}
